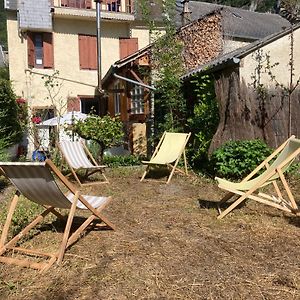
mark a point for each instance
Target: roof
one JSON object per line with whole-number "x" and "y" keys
{"x": 234, "y": 57}
{"x": 122, "y": 62}
{"x": 238, "y": 22}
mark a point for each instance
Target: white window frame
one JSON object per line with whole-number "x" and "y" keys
{"x": 137, "y": 100}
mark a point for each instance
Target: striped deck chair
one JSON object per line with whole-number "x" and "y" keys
{"x": 275, "y": 166}
{"x": 78, "y": 157}
{"x": 35, "y": 181}
{"x": 168, "y": 153}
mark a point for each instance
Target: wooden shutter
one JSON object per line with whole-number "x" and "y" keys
{"x": 124, "y": 107}
{"x": 48, "y": 50}
{"x": 92, "y": 48}
{"x": 88, "y": 4}
{"x": 128, "y": 46}
{"x": 73, "y": 104}
{"x": 83, "y": 53}
{"x": 111, "y": 105}
{"x": 30, "y": 49}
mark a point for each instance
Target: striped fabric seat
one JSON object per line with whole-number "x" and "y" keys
{"x": 35, "y": 181}
{"x": 78, "y": 157}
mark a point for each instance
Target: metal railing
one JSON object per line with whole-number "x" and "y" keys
{"x": 125, "y": 6}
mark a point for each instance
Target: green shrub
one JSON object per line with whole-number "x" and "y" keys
{"x": 236, "y": 159}
{"x": 203, "y": 120}
{"x": 117, "y": 161}
{"x": 10, "y": 127}
{"x": 106, "y": 131}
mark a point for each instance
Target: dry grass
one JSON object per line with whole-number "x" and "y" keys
{"x": 169, "y": 245}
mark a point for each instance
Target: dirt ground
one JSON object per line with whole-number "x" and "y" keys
{"x": 168, "y": 245}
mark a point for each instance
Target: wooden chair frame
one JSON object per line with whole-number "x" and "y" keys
{"x": 173, "y": 167}
{"x": 287, "y": 205}
{"x": 67, "y": 239}
{"x": 87, "y": 172}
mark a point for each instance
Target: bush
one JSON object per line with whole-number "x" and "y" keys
{"x": 10, "y": 127}
{"x": 236, "y": 159}
{"x": 106, "y": 131}
{"x": 203, "y": 120}
{"x": 118, "y": 161}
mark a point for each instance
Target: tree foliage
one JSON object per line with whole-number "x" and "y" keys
{"x": 106, "y": 131}
{"x": 203, "y": 118}
{"x": 3, "y": 35}
{"x": 10, "y": 127}
{"x": 167, "y": 67}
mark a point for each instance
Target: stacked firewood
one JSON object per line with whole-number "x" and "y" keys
{"x": 202, "y": 41}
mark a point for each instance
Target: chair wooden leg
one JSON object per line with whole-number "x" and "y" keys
{"x": 232, "y": 206}
{"x": 173, "y": 170}
{"x": 67, "y": 229}
{"x": 36, "y": 221}
{"x": 8, "y": 219}
{"x": 145, "y": 173}
{"x": 185, "y": 163}
{"x": 223, "y": 200}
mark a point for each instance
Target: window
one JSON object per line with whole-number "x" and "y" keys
{"x": 137, "y": 100}
{"x": 113, "y": 5}
{"x": 40, "y": 50}
{"x": 117, "y": 99}
{"x": 77, "y": 3}
{"x": 129, "y": 6}
{"x": 128, "y": 46}
{"x": 87, "y": 52}
{"x": 90, "y": 105}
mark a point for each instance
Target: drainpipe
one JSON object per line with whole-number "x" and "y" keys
{"x": 98, "y": 21}
{"x": 150, "y": 87}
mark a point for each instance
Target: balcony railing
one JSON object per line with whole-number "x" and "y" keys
{"x": 125, "y": 6}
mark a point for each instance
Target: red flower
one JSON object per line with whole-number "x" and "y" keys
{"x": 36, "y": 120}
{"x": 21, "y": 100}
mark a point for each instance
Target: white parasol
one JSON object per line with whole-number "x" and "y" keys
{"x": 67, "y": 118}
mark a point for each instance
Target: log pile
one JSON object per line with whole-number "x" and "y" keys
{"x": 203, "y": 40}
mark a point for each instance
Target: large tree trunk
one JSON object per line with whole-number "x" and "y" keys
{"x": 245, "y": 115}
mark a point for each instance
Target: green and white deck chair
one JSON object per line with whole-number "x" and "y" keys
{"x": 78, "y": 157}
{"x": 168, "y": 153}
{"x": 35, "y": 181}
{"x": 276, "y": 165}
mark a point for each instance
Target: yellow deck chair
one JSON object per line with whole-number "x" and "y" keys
{"x": 168, "y": 153}
{"x": 35, "y": 181}
{"x": 276, "y": 165}
{"x": 78, "y": 157}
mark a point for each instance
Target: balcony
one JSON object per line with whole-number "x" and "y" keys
{"x": 118, "y": 10}
{"x": 114, "y": 6}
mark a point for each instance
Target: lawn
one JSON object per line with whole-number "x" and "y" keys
{"x": 168, "y": 245}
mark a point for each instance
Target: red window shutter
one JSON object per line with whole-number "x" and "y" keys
{"x": 88, "y": 4}
{"x": 73, "y": 104}
{"x": 123, "y": 48}
{"x": 83, "y": 53}
{"x": 48, "y": 50}
{"x": 30, "y": 49}
{"x": 132, "y": 45}
{"x": 128, "y": 46}
{"x": 92, "y": 52}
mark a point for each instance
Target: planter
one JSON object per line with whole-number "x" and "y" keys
{"x": 38, "y": 155}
